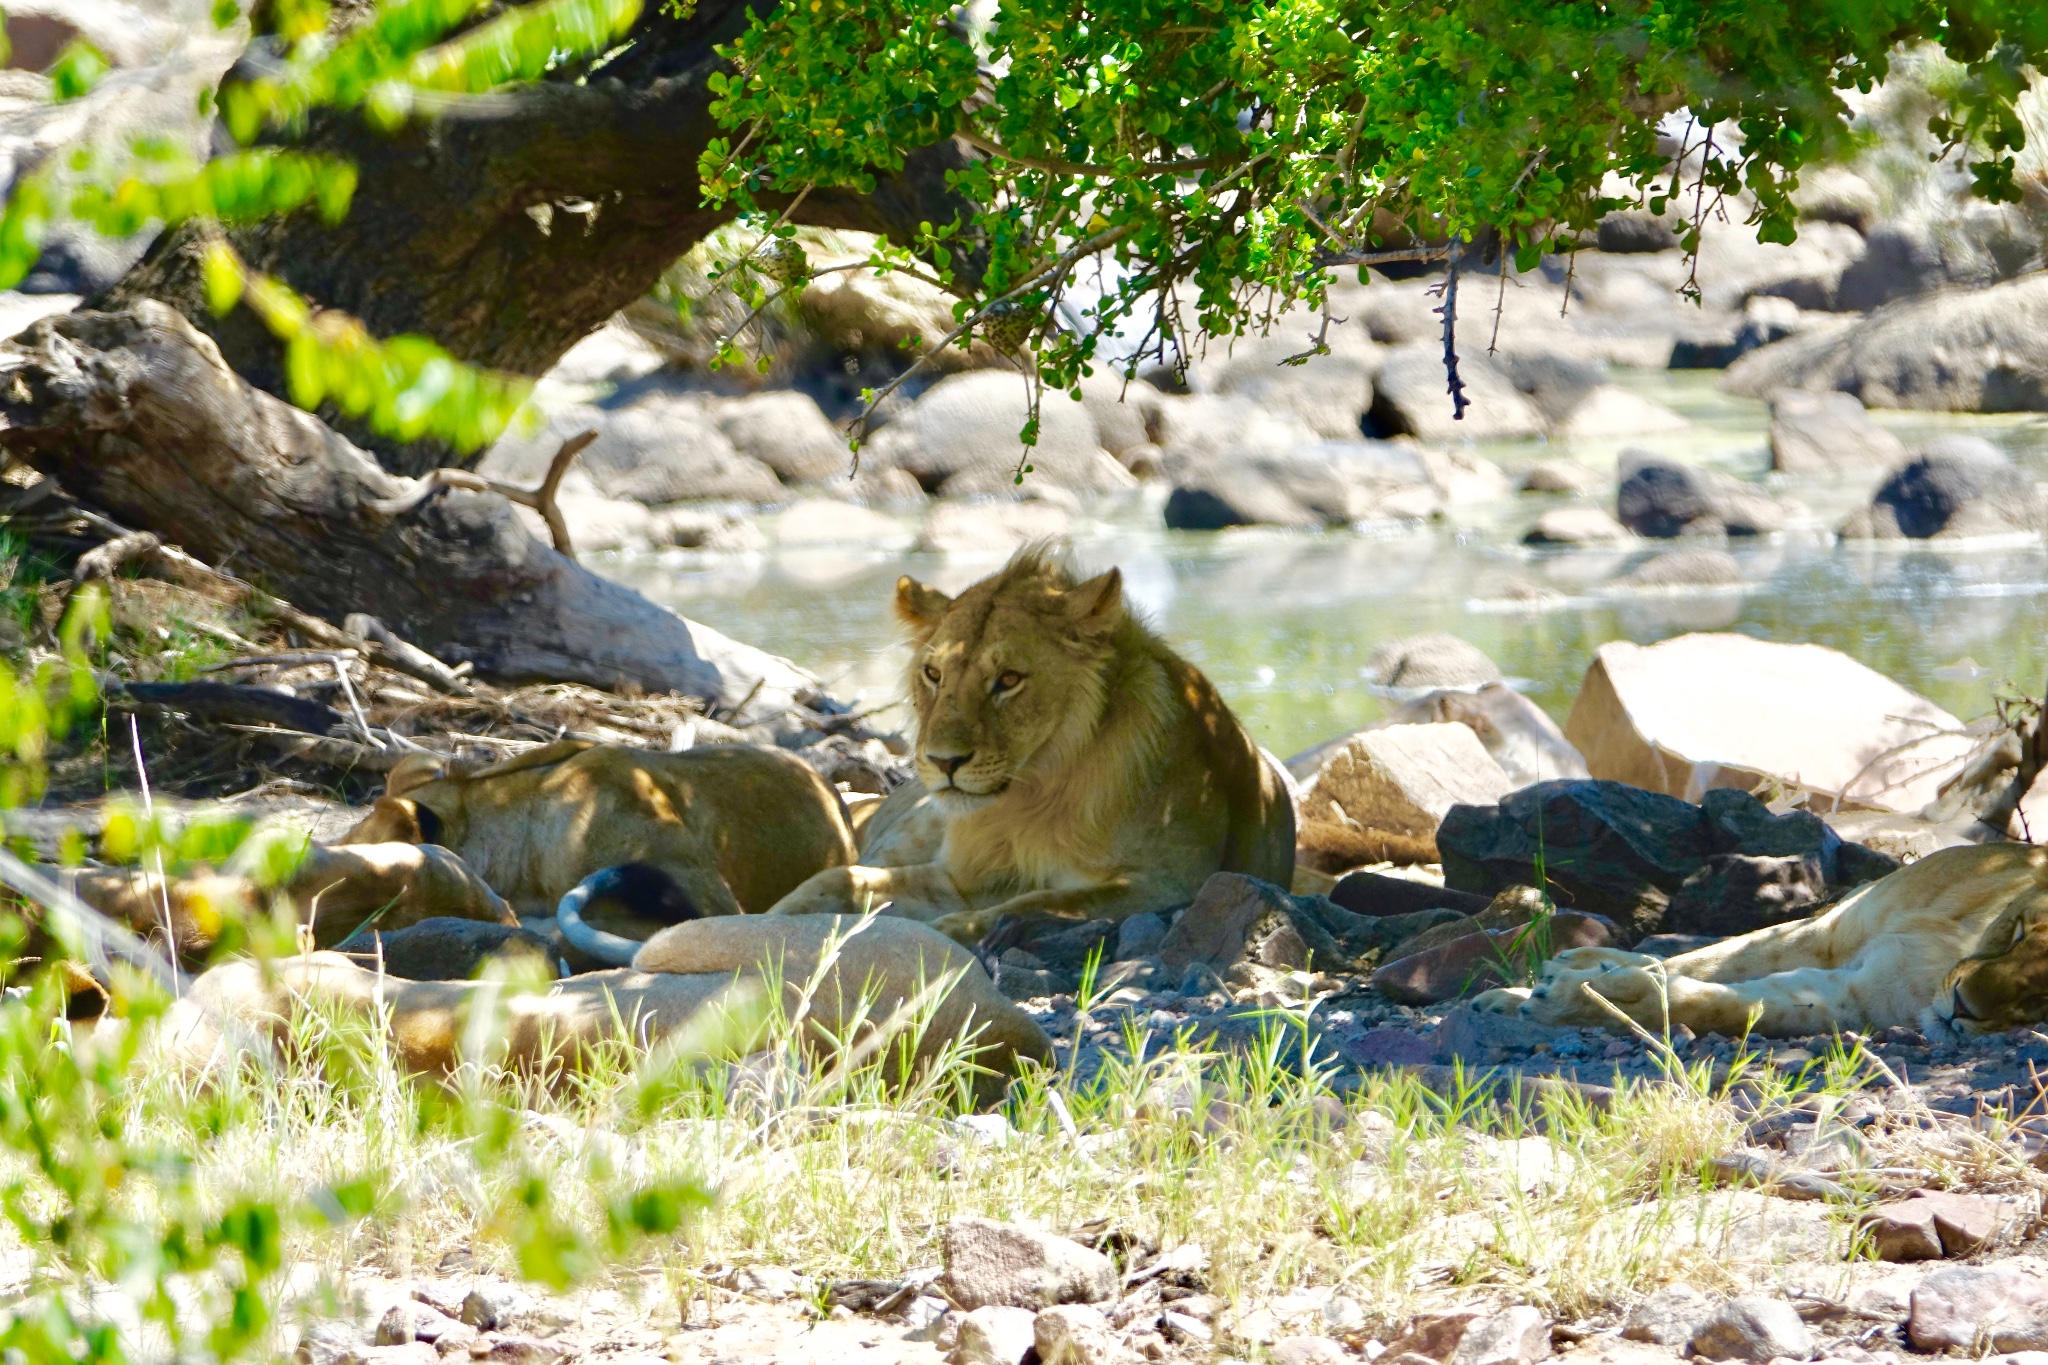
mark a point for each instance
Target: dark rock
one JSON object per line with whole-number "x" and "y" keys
{"x": 1856, "y": 864}
{"x": 1671, "y": 945}
{"x": 1484, "y": 1038}
{"x": 1606, "y": 847}
{"x": 447, "y": 949}
{"x": 1634, "y": 232}
{"x": 1475, "y": 962}
{"x": 1059, "y": 944}
{"x": 1661, "y": 498}
{"x": 1742, "y": 824}
{"x": 1377, "y": 895}
{"x": 1975, "y": 1309}
{"x": 1956, "y": 486}
{"x": 1215, "y": 928}
{"x": 1738, "y": 893}
{"x": 1140, "y": 936}
{"x": 1391, "y": 1047}
{"x": 1753, "y": 1327}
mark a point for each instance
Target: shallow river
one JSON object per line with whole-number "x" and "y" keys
{"x": 1284, "y": 621}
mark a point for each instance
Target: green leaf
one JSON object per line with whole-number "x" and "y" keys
{"x": 77, "y": 70}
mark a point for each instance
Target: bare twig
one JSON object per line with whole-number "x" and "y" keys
{"x": 541, "y": 499}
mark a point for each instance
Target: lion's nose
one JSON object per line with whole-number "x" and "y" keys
{"x": 948, "y": 764}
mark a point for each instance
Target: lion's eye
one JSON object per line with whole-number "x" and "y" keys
{"x": 1008, "y": 679}
{"x": 931, "y": 675}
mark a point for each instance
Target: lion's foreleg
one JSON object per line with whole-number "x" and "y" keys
{"x": 922, "y": 891}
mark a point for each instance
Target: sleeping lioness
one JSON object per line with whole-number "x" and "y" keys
{"x": 1958, "y": 940}
{"x": 1068, "y": 764}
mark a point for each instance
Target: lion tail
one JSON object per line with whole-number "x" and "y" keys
{"x": 644, "y": 890}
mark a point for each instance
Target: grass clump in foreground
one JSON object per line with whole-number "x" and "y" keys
{"x": 288, "y": 1175}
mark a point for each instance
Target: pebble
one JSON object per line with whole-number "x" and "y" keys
{"x": 1075, "y": 1334}
{"x": 995, "y": 1335}
{"x": 990, "y": 1263}
{"x": 1515, "y": 1336}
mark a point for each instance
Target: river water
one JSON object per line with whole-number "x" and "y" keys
{"x": 1284, "y": 621}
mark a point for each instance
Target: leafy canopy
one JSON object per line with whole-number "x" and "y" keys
{"x": 1228, "y": 155}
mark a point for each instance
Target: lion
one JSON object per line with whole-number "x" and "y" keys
{"x": 722, "y": 829}
{"x": 1068, "y": 764}
{"x": 657, "y": 838}
{"x": 1953, "y": 943}
{"x": 862, "y": 976}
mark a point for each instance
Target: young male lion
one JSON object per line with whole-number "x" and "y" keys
{"x": 1073, "y": 764}
{"x": 1953, "y": 942}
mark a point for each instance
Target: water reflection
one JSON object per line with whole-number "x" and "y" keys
{"x": 1285, "y": 621}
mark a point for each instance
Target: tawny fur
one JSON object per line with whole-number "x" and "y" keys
{"x": 1898, "y": 951}
{"x": 736, "y": 826}
{"x": 1101, "y": 774}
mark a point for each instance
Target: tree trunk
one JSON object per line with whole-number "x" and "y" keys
{"x": 510, "y": 229}
{"x": 135, "y": 413}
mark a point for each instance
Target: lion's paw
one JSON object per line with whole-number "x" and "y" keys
{"x": 1631, "y": 982}
{"x": 1502, "y": 1000}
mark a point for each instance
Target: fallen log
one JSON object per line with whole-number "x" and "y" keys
{"x": 135, "y": 413}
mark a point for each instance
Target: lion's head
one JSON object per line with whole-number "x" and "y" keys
{"x": 1008, "y": 678}
{"x": 2004, "y": 984}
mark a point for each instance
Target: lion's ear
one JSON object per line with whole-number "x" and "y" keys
{"x": 414, "y": 770}
{"x": 918, "y": 606}
{"x": 1096, "y": 605}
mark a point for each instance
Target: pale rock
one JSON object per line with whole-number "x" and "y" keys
{"x": 1610, "y": 411}
{"x": 1125, "y": 413}
{"x": 1576, "y": 526}
{"x": 994, "y": 529}
{"x": 1329, "y": 394}
{"x": 1752, "y": 1327}
{"x": 1937, "y": 1223}
{"x": 1410, "y": 398}
{"x": 1515, "y": 1336}
{"x": 327, "y": 1343}
{"x": 923, "y": 1318}
{"x": 1725, "y": 710}
{"x": 1684, "y": 571}
{"x": 1519, "y": 734}
{"x": 1668, "y": 1317}
{"x": 695, "y": 528}
{"x": 596, "y": 524}
{"x": 1435, "y": 660}
{"x": 789, "y": 433}
{"x": 1344, "y": 1314}
{"x": 768, "y": 1282}
{"x": 1075, "y": 1334}
{"x": 826, "y": 521}
{"x": 409, "y": 1353}
{"x": 1559, "y": 476}
{"x": 1828, "y": 433}
{"x": 1308, "y": 1351}
{"x": 1401, "y": 779}
{"x": 1975, "y": 1308}
{"x": 1462, "y": 479}
{"x": 990, "y": 1264}
{"x": 613, "y": 354}
{"x": 1188, "y": 1331}
{"x": 960, "y": 439}
{"x": 995, "y": 1335}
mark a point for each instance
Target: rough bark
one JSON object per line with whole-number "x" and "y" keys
{"x": 446, "y": 237}
{"x": 136, "y": 413}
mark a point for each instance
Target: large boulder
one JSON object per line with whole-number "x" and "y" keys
{"x": 1617, "y": 850}
{"x": 1661, "y": 497}
{"x": 1828, "y": 433}
{"x": 1411, "y": 397}
{"x": 1956, "y": 487}
{"x": 1726, "y": 710}
{"x": 1978, "y": 351}
{"x": 1330, "y": 394}
{"x": 960, "y": 439}
{"x": 662, "y": 449}
{"x": 1399, "y": 781}
{"x": 1519, "y": 734}
{"x": 1126, "y": 413}
{"x": 1611, "y": 411}
{"x": 789, "y": 433}
{"x": 1329, "y": 483}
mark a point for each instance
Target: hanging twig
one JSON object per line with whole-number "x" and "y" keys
{"x": 1448, "y": 311}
